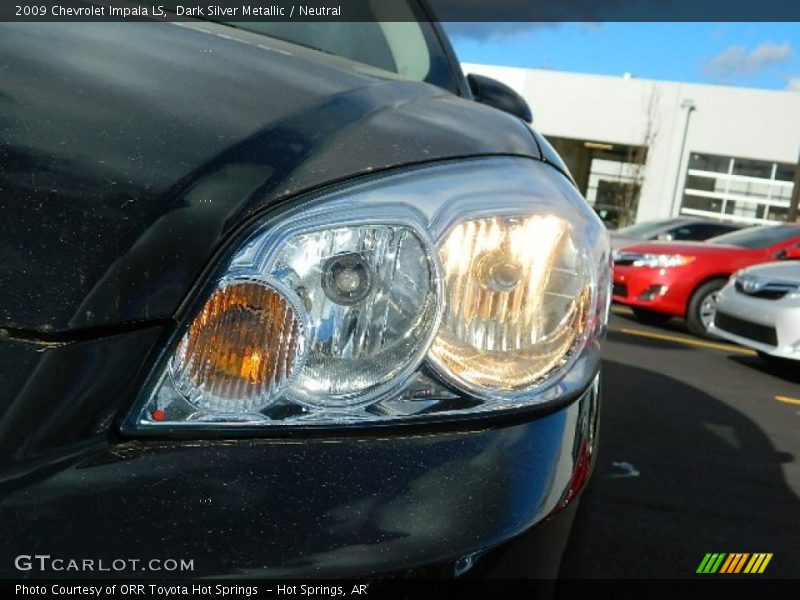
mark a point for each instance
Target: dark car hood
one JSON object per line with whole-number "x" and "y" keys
{"x": 129, "y": 152}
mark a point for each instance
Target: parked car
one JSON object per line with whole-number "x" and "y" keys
{"x": 760, "y": 308}
{"x": 676, "y": 229}
{"x": 661, "y": 280}
{"x": 287, "y": 311}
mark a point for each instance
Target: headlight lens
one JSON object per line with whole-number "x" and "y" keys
{"x": 661, "y": 261}
{"x": 517, "y": 292}
{"x": 445, "y": 291}
{"x": 370, "y": 294}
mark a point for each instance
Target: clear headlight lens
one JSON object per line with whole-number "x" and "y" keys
{"x": 517, "y": 292}
{"x": 661, "y": 261}
{"x": 370, "y": 296}
{"x": 344, "y": 310}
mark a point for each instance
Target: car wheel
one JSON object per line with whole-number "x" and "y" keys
{"x": 703, "y": 308}
{"x": 650, "y": 317}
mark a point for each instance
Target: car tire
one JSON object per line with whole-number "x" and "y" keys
{"x": 650, "y": 317}
{"x": 700, "y": 314}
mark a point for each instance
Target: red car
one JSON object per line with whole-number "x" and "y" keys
{"x": 661, "y": 280}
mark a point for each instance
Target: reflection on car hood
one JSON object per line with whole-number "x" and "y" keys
{"x": 129, "y": 152}
{"x": 779, "y": 271}
{"x": 620, "y": 241}
{"x": 686, "y": 248}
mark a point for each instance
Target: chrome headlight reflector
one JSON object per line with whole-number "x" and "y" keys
{"x": 517, "y": 297}
{"x": 443, "y": 291}
{"x": 370, "y": 295}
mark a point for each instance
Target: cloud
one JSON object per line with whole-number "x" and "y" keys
{"x": 492, "y": 32}
{"x": 736, "y": 61}
{"x": 523, "y": 11}
{"x": 793, "y": 85}
{"x": 591, "y": 26}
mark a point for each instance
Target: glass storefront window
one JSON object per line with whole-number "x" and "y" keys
{"x": 706, "y": 184}
{"x": 785, "y": 172}
{"x": 742, "y": 189}
{"x": 748, "y": 188}
{"x": 752, "y": 168}
{"x": 712, "y": 205}
{"x": 708, "y": 162}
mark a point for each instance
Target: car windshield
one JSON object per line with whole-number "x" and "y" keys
{"x": 758, "y": 237}
{"x": 644, "y": 230}
{"x": 409, "y": 48}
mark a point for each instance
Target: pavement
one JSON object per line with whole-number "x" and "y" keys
{"x": 699, "y": 452}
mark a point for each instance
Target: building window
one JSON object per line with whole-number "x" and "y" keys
{"x": 609, "y": 175}
{"x": 752, "y": 168}
{"x": 708, "y": 162}
{"x": 614, "y": 188}
{"x": 785, "y": 172}
{"x": 737, "y": 189}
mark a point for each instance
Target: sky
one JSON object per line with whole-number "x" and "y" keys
{"x": 760, "y": 55}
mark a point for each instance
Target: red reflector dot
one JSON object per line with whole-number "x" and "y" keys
{"x": 159, "y": 415}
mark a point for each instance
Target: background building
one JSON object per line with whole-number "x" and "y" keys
{"x": 643, "y": 149}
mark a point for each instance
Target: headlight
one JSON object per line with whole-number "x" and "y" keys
{"x": 370, "y": 295}
{"x": 518, "y": 293}
{"x": 445, "y": 291}
{"x": 661, "y": 261}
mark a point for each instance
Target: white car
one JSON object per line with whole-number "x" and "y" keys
{"x": 760, "y": 308}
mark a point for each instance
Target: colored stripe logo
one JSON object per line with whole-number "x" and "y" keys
{"x": 734, "y": 563}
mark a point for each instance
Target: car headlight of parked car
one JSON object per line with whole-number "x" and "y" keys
{"x": 445, "y": 291}
{"x": 654, "y": 261}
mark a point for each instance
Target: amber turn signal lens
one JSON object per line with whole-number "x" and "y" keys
{"x": 241, "y": 349}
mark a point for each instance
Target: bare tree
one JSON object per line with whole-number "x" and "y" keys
{"x": 637, "y": 160}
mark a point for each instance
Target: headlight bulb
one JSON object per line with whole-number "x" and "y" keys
{"x": 347, "y": 278}
{"x": 498, "y": 271}
{"x": 373, "y": 308}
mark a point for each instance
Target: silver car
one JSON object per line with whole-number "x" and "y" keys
{"x": 760, "y": 308}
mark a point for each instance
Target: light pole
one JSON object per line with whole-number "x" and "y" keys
{"x": 690, "y": 107}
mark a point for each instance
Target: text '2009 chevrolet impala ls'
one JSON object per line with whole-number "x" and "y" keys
{"x": 287, "y": 311}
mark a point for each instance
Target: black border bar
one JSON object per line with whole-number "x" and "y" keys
{"x": 404, "y": 589}
{"x": 397, "y": 10}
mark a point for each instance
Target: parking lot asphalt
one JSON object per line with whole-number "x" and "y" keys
{"x": 699, "y": 452}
